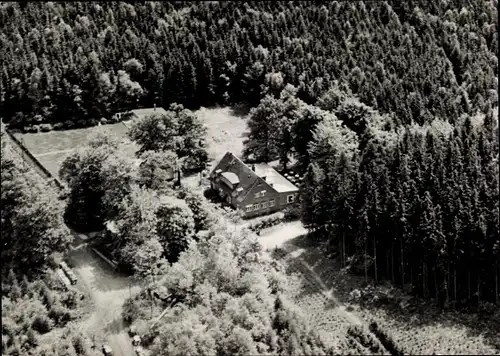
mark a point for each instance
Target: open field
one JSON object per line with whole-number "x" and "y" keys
{"x": 52, "y": 148}
{"x": 46, "y": 142}
{"x": 225, "y": 133}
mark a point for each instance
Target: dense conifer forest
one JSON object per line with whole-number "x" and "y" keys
{"x": 76, "y": 62}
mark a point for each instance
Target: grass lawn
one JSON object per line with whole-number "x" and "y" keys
{"x": 226, "y": 132}
{"x": 46, "y": 142}
{"x": 51, "y": 148}
{"x": 52, "y": 162}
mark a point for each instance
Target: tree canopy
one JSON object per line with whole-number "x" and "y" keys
{"x": 73, "y": 63}
{"x": 31, "y": 215}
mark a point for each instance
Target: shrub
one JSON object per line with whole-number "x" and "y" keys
{"x": 366, "y": 339}
{"x": 18, "y": 119}
{"x": 113, "y": 119}
{"x": 52, "y": 262}
{"x": 93, "y": 122}
{"x": 29, "y": 129}
{"x": 47, "y": 296}
{"x": 58, "y": 126}
{"x": 127, "y": 115}
{"x": 38, "y": 118}
{"x": 69, "y": 124}
{"x": 15, "y": 291}
{"x": 42, "y": 324}
{"x": 45, "y": 127}
{"x": 292, "y": 213}
{"x": 25, "y": 285}
{"x": 104, "y": 121}
{"x": 81, "y": 123}
{"x": 70, "y": 299}
{"x": 211, "y": 194}
{"x": 31, "y": 338}
{"x": 60, "y": 314}
{"x": 266, "y": 222}
{"x": 80, "y": 344}
{"x": 35, "y": 128}
{"x": 130, "y": 311}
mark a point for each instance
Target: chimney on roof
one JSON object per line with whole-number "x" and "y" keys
{"x": 253, "y": 167}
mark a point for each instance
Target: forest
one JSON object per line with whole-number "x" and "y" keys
{"x": 69, "y": 64}
{"x": 34, "y": 300}
{"x": 388, "y": 109}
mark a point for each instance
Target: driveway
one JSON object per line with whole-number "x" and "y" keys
{"x": 277, "y": 236}
{"x": 108, "y": 291}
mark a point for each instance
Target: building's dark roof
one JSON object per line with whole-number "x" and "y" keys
{"x": 248, "y": 178}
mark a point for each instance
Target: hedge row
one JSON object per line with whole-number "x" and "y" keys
{"x": 289, "y": 214}
{"x": 268, "y": 221}
{"x": 78, "y": 124}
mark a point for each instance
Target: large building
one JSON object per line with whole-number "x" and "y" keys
{"x": 256, "y": 189}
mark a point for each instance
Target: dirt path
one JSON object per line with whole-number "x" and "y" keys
{"x": 327, "y": 292}
{"x": 53, "y": 152}
{"x": 108, "y": 290}
{"x": 324, "y": 309}
{"x": 277, "y": 236}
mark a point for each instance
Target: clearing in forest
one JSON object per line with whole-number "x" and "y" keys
{"x": 416, "y": 326}
{"x": 321, "y": 289}
{"x": 226, "y": 132}
{"x": 52, "y": 148}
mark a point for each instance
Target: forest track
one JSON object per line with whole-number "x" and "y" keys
{"x": 291, "y": 257}
{"x": 54, "y": 152}
{"x": 108, "y": 291}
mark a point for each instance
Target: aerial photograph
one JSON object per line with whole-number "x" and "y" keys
{"x": 232, "y": 178}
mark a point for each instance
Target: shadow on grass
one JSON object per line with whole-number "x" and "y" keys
{"x": 240, "y": 110}
{"x": 116, "y": 326}
{"x": 99, "y": 275}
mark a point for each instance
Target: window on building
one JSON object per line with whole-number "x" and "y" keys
{"x": 249, "y": 208}
{"x": 263, "y": 193}
{"x": 257, "y": 195}
{"x": 264, "y": 205}
{"x": 256, "y": 206}
{"x": 290, "y": 198}
{"x": 272, "y": 202}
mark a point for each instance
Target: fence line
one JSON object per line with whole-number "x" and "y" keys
{"x": 111, "y": 263}
{"x": 35, "y": 162}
